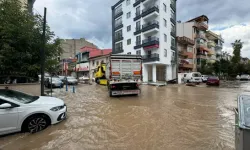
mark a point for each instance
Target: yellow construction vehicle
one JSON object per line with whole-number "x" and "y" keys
{"x": 100, "y": 77}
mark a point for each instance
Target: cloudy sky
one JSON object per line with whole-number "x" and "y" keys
{"x": 91, "y": 19}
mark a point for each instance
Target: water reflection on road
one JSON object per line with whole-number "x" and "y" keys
{"x": 173, "y": 117}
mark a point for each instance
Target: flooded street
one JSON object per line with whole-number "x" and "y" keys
{"x": 174, "y": 117}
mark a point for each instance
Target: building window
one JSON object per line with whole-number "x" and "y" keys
{"x": 138, "y": 40}
{"x": 138, "y": 11}
{"x": 165, "y": 22}
{"x": 165, "y": 53}
{"x": 128, "y": 28}
{"x": 118, "y": 47}
{"x": 189, "y": 49}
{"x": 128, "y": 14}
{"x": 164, "y": 7}
{"x": 128, "y": 2}
{"x": 165, "y": 38}
{"x": 129, "y": 53}
{"x": 172, "y": 28}
{"x": 118, "y": 10}
{"x": 173, "y": 55}
{"x": 97, "y": 63}
{"x": 118, "y": 22}
{"x": 93, "y": 63}
{"x": 138, "y": 52}
{"x": 172, "y": 41}
{"x": 118, "y": 35}
{"x": 138, "y": 26}
{"x": 128, "y": 41}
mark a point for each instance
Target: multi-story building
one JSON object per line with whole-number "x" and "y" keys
{"x": 215, "y": 44}
{"x": 147, "y": 28}
{"x": 191, "y": 31}
{"x": 72, "y": 46}
{"x": 29, "y": 4}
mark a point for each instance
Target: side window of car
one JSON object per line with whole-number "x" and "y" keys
{"x": 2, "y": 102}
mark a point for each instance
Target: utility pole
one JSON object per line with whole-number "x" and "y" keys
{"x": 42, "y": 51}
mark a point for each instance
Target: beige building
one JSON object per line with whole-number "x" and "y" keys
{"x": 72, "y": 46}
{"x": 28, "y": 3}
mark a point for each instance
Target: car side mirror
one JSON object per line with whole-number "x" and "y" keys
{"x": 5, "y": 106}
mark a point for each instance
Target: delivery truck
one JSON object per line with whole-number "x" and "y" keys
{"x": 124, "y": 74}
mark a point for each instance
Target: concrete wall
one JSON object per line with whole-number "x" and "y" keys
{"x": 185, "y": 29}
{"x": 72, "y": 46}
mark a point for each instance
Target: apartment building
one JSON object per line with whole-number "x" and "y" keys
{"x": 147, "y": 28}
{"x": 193, "y": 34}
{"x": 28, "y": 3}
{"x": 73, "y": 46}
{"x": 215, "y": 44}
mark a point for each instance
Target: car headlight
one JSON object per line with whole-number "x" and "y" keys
{"x": 57, "y": 108}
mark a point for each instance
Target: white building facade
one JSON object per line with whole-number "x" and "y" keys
{"x": 147, "y": 28}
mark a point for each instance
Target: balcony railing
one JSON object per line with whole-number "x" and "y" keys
{"x": 137, "y": 16}
{"x": 137, "y": 30}
{"x": 185, "y": 40}
{"x": 150, "y": 25}
{"x": 150, "y": 10}
{"x": 173, "y": 5}
{"x": 173, "y": 33}
{"x": 137, "y": 2}
{"x": 150, "y": 41}
{"x": 119, "y": 38}
{"x": 118, "y": 13}
{"x": 118, "y": 50}
{"x": 137, "y": 45}
{"x": 172, "y": 19}
{"x": 118, "y": 26}
{"x": 151, "y": 57}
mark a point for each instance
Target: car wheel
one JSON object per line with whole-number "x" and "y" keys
{"x": 37, "y": 123}
{"x": 110, "y": 93}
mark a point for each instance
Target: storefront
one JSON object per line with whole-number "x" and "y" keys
{"x": 82, "y": 69}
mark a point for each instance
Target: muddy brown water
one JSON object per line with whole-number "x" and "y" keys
{"x": 175, "y": 117}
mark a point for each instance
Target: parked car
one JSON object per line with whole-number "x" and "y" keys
{"x": 23, "y": 112}
{"x": 70, "y": 80}
{"x": 213, "y": 80}
{"x": 55, "y": 82}
{"x": 244, "y": 77}
{"x": 204, "y": 78}
{"x": 61, "y": 77}
{"x": 238, "y": 77}
{"x": 193, "y": 77}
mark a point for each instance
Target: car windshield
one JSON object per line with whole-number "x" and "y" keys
{"x": 18, "y": 96}
{"x": 196, "y": 75}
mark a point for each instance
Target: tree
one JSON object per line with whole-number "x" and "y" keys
{"x": 21, "y": 40}
{"x": 237, "y": 46}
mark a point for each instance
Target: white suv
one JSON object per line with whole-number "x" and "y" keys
{"x": 23, "y": 112}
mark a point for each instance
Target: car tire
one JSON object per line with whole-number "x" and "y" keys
{"x": 110, "y": 93}
{"x": 36, "y": 123}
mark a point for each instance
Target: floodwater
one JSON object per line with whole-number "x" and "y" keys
{"x": 175, "y": 117}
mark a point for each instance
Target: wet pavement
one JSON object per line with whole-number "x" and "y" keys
{"x": 174, "y": 117}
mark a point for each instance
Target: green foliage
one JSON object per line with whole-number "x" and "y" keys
{"x": 237, "y": 46}
{"x": 21, "y": 40}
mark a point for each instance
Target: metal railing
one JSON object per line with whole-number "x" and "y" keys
{"x": 150, "y": 39}
{"x": 150, "y": 7}
{"x": 150, "y": 23}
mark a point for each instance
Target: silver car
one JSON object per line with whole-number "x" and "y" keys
{"x": 71, "y": 80}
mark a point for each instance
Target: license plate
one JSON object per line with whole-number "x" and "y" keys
{"x": 128, "y": 92}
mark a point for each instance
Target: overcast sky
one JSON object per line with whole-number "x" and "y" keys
{"x": 91, "y": 19}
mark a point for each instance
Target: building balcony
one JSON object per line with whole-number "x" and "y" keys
{"x": 173, "y": 5}
{"x": 185, "y": 40}
{"x": 201, "y": 25}
{"x": 173, "y": 47}
{"x": 202, "y": 47}
{"x": 137, "y": 2}
{"x": 172, "y": 19}
{"x": 201, "y": 36}
{"x": 119, "y": 38}
{"x": 189, "y": 55}
{"x": 201, "y": 55}
{"x": 173, "y": 33}
{"x": 151, "y": 57}
{"x": 118, "y": 50}
{"x": 173, "y": 60}
{"x": 118, "y": 14}
{"x": 189, "y": 66}
{"x": 152, "y": 26}
{"x": 151, "y": 11}
{"x": 150, "y": 42}
{"x": 137, "y": 45}
{"x": 137, "y": 16}
{"x": 137, "y": 30}
{"x": 118, "y": 26}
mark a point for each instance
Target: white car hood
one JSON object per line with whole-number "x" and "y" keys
{"x": 45, "y": 100}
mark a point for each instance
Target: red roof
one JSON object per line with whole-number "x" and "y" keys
{"x": 95, "y": 52}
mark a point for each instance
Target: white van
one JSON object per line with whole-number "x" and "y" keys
{"x": 193, "y": 77}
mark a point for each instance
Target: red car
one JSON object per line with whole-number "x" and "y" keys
{"x": 213, "y": 81}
